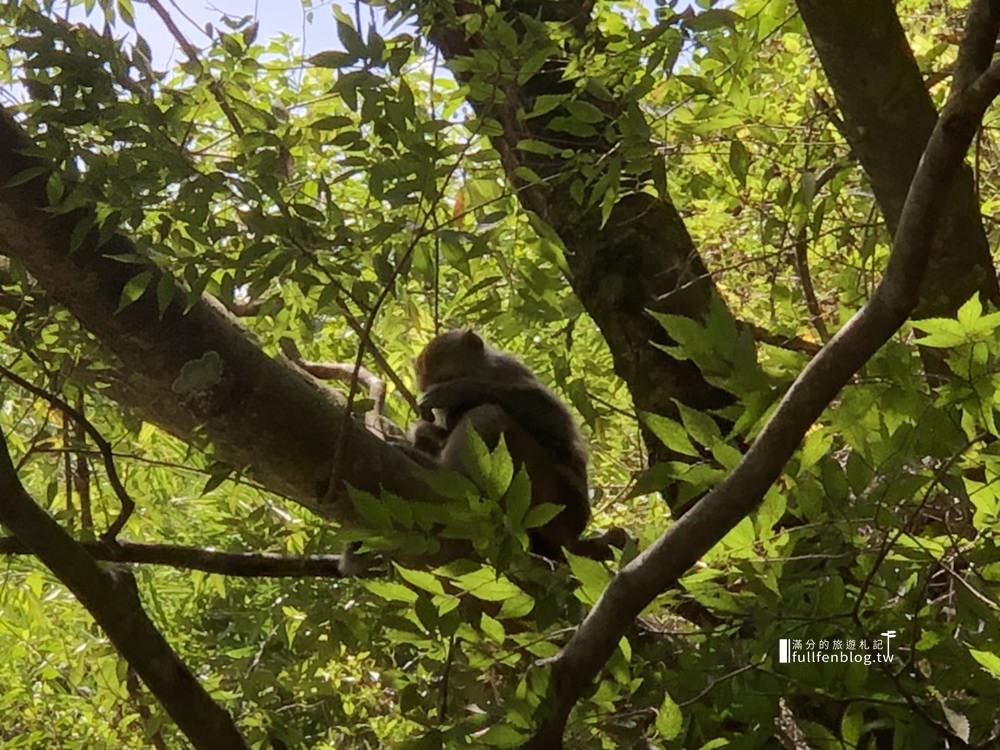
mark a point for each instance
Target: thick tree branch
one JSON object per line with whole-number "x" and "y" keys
{"x": 195, "y": 371}
{"x": 661, "y": 565}
{"x": 111, "y": 597}
{"x": 238, "y": 564}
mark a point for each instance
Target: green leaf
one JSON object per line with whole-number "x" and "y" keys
{"x": 501, "y": 469}
{"x": 80, "y": 231}
{"x": 351, "y": 39}
{"x": 592, "y": 576}
{"x": 834, "y": 480}
{"x": 54, "y": 188}
{"x": 546, "y": 103}
{"x": 164, "y": 293}
{"x": 485, "y": 584}
{"x": 541, "y": 514}
{"x": 655, "y": 478}
{"x": 500, "y": 735}
{"x": 517, "y": 606}
{"x": 572, "y": 126}
{"x": 584, "y": 111}
{"x": 391, "y": 591}
{"x": 331, "y": 122}
{"x": 215, "y": 480}
{"x": 370, "y": 508}
{"x": 134, "y": 289}
{"x": 26, "y": 175}
{"x": 449, "y": 484}
{"x": 493, "y": 629}
{"x": 988, "y": 660}
{"x": 851, "y": 725}
{"x": 669, "y": 720}
{"x": 670, "y": 433}
{"x": 535, "y": 146}
{"x": 519, "y": 498}
{"x": 477, "y": 461}
{"x": 127, "y": 12}
{"x": 699, "y": 425}
{"x": 816, "y": 445}
{"x": 332, "y": 59}
{"x": 716, "y": 18}
{"x": 739, "y": 160}
{"x": 421, "y": 579}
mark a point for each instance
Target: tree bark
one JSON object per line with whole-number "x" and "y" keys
{"x": 236, "y": 564}
{"x": 195, "y": 371}
{"x": 660, "y": 566}
{"x": 642, "y": 258}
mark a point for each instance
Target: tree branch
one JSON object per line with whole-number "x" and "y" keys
{"x": 103, "y": 446}
{"x": 344, "y": 373}
{"x": 237, "y": 564}
{"x": 112, "y": 599}
{"x": 660, "y": 566}
{"x": 259, "y": 413}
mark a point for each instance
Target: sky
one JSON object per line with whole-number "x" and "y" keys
{"x": 275, "y": 16}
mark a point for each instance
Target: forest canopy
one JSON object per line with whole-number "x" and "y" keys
{"x": 747, "y": 244}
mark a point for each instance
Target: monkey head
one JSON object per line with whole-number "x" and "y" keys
{"x": 450, "y": 355}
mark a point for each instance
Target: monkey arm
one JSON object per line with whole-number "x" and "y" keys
{"x": 428, "y": 437}
{"x": 530, "y": 405}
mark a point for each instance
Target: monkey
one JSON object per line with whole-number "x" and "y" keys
{"x": 468, "y": 384}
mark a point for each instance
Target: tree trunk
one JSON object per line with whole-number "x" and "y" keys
{"x": 889, "y": 116}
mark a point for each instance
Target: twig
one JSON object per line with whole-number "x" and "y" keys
{"x": 445, "y": 679}
{"x": 236, "y": 564}
{"x": 801, "y": 245}
{"x": 81, "y": 476}
{"x": 192, "y": 55}
{"x": 112, "y": 599}
{"x": 127, "y": 504}
{"x": 792, "y": 343}
{"x": 344, "y": 372}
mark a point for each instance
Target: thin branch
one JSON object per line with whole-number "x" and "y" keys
{"x": 801, "y": 245}
{"x": 127, "y": 504}
{"x": 792, "y": 343}
{"x": 112, "y": 598}
{"x": 661, "y": 565}
{"x": 81, "y": 476}
{"x": 237, "y": 564}
{"x": 192, "y": 54}
{"x": 344, "y": 372}
{"x": 359, "y": 330}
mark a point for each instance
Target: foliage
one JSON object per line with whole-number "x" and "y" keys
{"x": 326, "y": 181}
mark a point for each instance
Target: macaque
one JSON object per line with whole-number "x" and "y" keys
{"x": 468, "y": 384}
